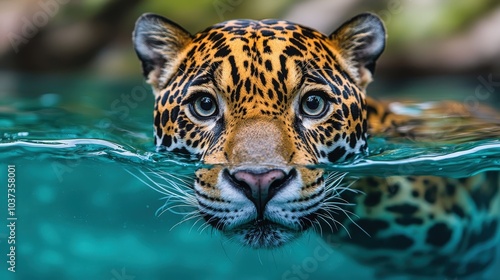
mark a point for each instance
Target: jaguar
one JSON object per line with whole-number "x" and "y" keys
{"x": 263, "y": 103}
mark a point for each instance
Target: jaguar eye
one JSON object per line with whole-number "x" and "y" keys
{"x": 204, "y": 106}
{"x": 313, "y": 105}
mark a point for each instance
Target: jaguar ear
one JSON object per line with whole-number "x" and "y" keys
{"x": 158, "y": 42}
{"x": 361, "y": 40}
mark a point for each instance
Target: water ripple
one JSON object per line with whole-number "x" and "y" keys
{"x": 451, "y": 161}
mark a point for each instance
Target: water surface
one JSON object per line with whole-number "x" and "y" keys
{"x": 82, "y": 214}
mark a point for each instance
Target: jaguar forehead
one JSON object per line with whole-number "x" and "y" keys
{"x": 262, "y": 64}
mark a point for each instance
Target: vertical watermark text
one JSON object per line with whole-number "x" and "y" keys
{"x": 11, "y": 217}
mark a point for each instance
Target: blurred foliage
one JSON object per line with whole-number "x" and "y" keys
{"x": 94, "y": 36}
{"x": 413, "y": 20}
{"x": 195, "y": 15}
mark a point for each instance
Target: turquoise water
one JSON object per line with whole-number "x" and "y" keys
{"x": 82, "y": 214}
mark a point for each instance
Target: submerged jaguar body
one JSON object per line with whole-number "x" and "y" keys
{"x": 263, "y": 101}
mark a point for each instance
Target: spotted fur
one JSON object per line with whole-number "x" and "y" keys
{"x": 261, "y": 101}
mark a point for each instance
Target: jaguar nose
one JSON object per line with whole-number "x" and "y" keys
{"x": 260, "y": 186}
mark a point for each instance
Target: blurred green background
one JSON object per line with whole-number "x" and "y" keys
{"x": 93, "y": 37}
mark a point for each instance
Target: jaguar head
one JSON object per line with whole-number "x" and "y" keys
{"x": 260, "y": 102}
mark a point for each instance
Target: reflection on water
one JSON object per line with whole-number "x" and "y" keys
{"x": 84, "y": 209}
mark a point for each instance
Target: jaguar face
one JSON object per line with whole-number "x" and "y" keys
{"x": 260, "y": 101}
